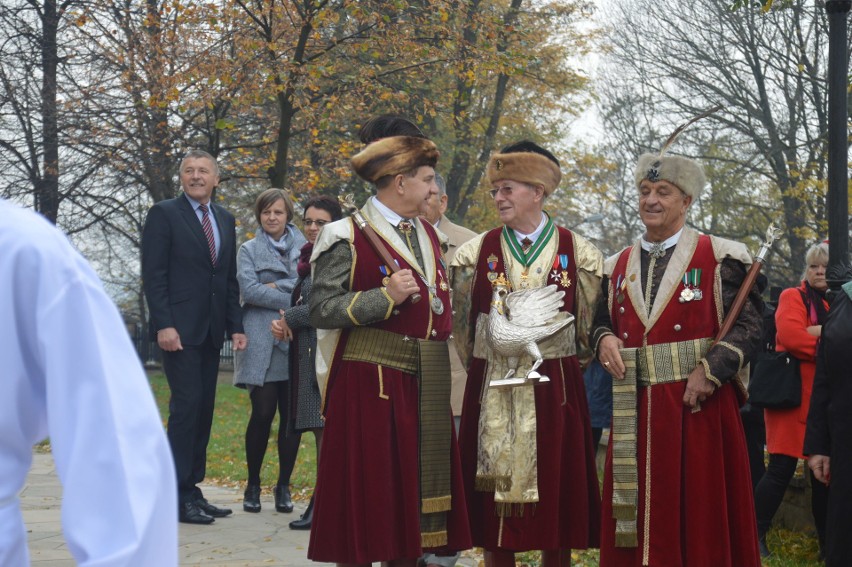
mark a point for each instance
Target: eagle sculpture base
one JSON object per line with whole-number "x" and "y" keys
{"x": 532, "y": 378}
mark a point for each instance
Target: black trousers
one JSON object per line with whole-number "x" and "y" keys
{"x": 191, "y": 374}
{"x": 770, "y": 492}
{"x": 755, "y": 433}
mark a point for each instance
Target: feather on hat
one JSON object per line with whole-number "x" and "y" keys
{"x": 685, "y": 173}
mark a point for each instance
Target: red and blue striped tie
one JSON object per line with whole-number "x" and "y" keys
{"x": 208, "y": 232}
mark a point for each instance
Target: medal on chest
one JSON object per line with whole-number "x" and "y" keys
{"x": 691, "y": 292}
{"x": 560, "y": 270}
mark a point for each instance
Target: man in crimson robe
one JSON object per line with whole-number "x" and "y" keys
{"x": 677, "y": 489}
{"x": 389, "y": 479}
{"x": 527, "y": 454}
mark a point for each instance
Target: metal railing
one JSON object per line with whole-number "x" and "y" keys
{"x": 151, "y": 355}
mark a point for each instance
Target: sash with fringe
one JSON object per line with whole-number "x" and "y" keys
{"x": 655, "y": 364}
{"x": 429, "y": 361}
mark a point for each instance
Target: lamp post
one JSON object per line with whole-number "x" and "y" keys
{"x": 837, "y": 200}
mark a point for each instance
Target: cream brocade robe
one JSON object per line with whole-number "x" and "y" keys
{"x": 507, "y": 451}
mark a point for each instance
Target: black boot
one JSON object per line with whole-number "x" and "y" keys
{"x": 304, "y": 522}
{"x": 283, "y": 502}
{"x": 251, "y": 498}
{"x": 761, "y": 544}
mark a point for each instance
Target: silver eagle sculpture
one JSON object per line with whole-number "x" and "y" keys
{"x": 517, "y": 322}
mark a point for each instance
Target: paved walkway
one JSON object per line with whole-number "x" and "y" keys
{"x": 241, "y": 539}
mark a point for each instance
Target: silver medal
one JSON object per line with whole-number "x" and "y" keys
{"x": 437, "y": 305}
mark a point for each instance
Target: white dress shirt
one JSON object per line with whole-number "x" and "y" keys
{"x": 69, "y": 371}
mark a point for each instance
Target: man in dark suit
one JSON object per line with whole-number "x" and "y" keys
{"x": 189, "y": 275}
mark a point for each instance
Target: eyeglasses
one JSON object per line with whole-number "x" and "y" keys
{"x": 319, "y": 223}
{"x": 505, "y": 191}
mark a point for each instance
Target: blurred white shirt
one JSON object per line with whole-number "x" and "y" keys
{"x": 69, "y": 371}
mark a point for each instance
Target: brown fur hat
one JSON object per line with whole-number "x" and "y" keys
{"x": 525, "y": 167}
{"x": 394, "y": 155}
{"x": 686, "y": 174}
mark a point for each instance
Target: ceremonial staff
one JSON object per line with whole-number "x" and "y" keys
{"x": 348, "y": 203}
{"x": 772, "y": 234}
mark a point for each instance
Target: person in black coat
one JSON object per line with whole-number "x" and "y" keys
{"x": 829, "y": 427}
{"x": 190, "y": 283}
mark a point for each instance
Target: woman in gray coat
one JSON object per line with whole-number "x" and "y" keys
{"x": 295, "y": 323}
{"x": 266, "y": 271}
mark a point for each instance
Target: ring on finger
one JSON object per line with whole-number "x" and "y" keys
{"x": 606, "y": 364}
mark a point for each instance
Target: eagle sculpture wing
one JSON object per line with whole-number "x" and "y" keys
{"x": 534, "y": 307}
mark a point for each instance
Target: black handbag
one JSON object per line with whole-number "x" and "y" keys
{"x": 776, "y": 382}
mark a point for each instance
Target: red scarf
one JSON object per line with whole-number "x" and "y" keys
{"x": 304, "y": 266}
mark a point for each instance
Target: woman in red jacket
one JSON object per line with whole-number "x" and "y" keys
{"x": 799, "y": 318}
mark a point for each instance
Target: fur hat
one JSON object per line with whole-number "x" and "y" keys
{"x": 525, "y": 167}
{"x": 686, "y": 174}
{"x": 394, "y": 155}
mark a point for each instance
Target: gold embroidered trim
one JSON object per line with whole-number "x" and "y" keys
{"x": 670, "y": 362}
{"x": 646, "y": 545}
{"x": 433, "y": 539}
{"x": 602, "y": 335}
{"x": 484, "y": 483}
{"x": 509, "y": 509}
{"x": 648, "y": 365}
{"x": 390, "y": 302}
{"x": 379, "y": 347}
{"x": 349, "y": 309}
{"x": 382, "y": 394}
{"x": 354, "y": 258}
{"x": 649, "y": 286}
{"x": 709, "y": 374}
{"x": 624, "y": 424}
{"x": 439, "y": 504}
{"x": 717, "y": 295}
{"x": 737, "y": 350}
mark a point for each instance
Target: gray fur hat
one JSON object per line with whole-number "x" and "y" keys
{"x": 686, "y": 174}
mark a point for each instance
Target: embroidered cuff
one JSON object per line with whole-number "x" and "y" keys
{"x": 599, "y": 334}
{"x": 709, "y": 374}
{"x": 390, "y": 302}
{"x": 349, "y": 309}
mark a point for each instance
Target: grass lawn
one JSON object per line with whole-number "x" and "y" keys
{"x": 226, "y": 466}
{"x": 226, "y": 455}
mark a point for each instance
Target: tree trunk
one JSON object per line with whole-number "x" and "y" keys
{"x": 47, "y": 187}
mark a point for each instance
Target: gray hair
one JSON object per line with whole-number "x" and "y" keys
{"x": 441, "y": 183}
{"x": 816, "y": 254}
{"x": 198, "y": 154}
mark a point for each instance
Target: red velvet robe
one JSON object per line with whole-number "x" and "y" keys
{"x": 568, "y": 513}
{"x": 367, "y": 500}
{"x": 699, "y": 507}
